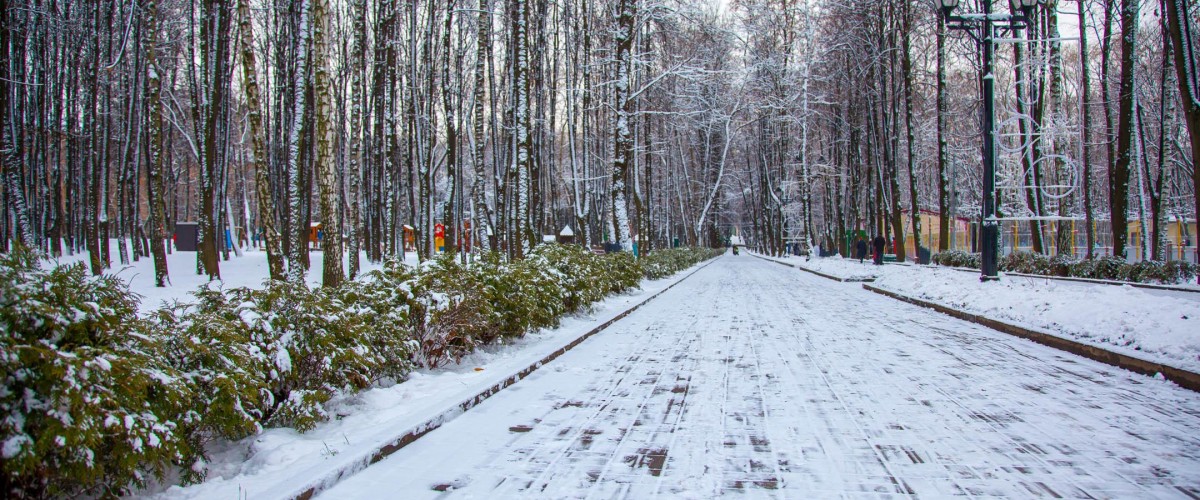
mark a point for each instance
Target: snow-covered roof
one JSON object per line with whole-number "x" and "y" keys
{"x": 567, "y": 231}
{"x": 549, "y": 238}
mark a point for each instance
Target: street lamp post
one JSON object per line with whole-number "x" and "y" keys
{"x": 987, "y": 24}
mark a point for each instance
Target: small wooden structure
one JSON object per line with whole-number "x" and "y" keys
{"x": 316, "y": 233}
{"x": 566, "y": 236}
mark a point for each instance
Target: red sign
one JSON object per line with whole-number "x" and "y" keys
{"x": 439, "y": 231}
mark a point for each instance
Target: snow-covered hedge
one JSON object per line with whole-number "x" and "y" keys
{"x": 957, "y": 258}
{"x": 663, "y": 263}
{"x": 1102, "y": 268}
{"x": 90, "y": 405}
{"x": 460, "y": 307}
{"x": 97, "y": 399}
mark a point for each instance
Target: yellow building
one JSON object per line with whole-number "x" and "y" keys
{"x": 1180, "y": 236}
{"x": 1015, "y": 236}
{"x": 961, "y": 233}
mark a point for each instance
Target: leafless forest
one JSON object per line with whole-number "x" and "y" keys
{"x": 632, "y": 121}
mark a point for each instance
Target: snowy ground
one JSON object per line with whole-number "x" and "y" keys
{"x": 752, "y": 381}
{"x": 280, "y": 461}
{"x": 249, "y": 270}
{"x": 1156, "y": 325}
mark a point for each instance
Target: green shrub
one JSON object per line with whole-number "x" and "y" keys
{"x": 1102, "y": 268}
{"x": 210, "y": 346}
{"x": 1178, "y": 271}
{"x": 378, "y": 305}
{"x": 89, "y": 405}
{"x": 577, "y": 270}
{"x": 1025, "y": 262}
{"x": 449, "y": 312}
{"x": 662, "y": 263}
{"x": 96, "y": 398}
{"x": 303, "y": 347}
{"x": 957, "y": 258}
{"x": 619, "y": 272}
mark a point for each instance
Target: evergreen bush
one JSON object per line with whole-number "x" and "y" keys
{"x": 89, "y": 406}
{"x": 96, "y": 398}
{"x": 1102, "y": 268}
{"x": 662, "y": 263}
{"x": 449, "y": 311}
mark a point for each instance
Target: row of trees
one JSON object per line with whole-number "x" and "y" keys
{"x": 503, "y": 120}
{"x": 1096, "y": 104}
{"x": 633, "y": 121}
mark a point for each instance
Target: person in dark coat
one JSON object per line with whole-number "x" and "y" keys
{"x": 879, "y": 243}
{"x": 860, "y": 248}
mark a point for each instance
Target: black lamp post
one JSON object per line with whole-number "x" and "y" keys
{"x": 987, "y": 25}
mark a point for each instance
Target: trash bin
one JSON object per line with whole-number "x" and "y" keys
{"x": 187, "y": 235}
{"x": 923, "y": 256}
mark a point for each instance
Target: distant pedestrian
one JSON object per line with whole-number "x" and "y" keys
{"x": 879, "y": 243}
{"x": 860, "y": 248}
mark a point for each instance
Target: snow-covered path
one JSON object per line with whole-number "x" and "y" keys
{"x": 750, "y": 378}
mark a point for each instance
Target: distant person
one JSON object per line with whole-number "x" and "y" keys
{"x": 860, "y": 248}
{"x": 879, "y": 243}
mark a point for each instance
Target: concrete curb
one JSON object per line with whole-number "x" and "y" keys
{"x": 818, "y": 273}
{"x": 1186, "y": 379}
{"x": 326, "y": 481}
{"x": 1151, "y": 286}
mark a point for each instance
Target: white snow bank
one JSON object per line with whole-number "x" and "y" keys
{"x": 249, "y": 270}
{"x": 280, "y": 460}
{"x": 1156, "y": 325}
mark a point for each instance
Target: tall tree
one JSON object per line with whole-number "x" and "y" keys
{"x": 1118, "y": 186}
{"x": 622, "y": 156}
{"x": 326, "y": 164}
{"x": 258, "y": 150}
{"x": 1085, "y": 129}
{"x": 1183, "y": 48}
{"x": 296, "y": 144}
{"x": 944, "y": 200}
{"x": 154, "y": 145}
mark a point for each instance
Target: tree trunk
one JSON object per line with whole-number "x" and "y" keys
{"x": 626, "y": 11}
{"x": 296, "y": 267}
{"x": 325, "y": 160}
{"x": 1182, "y": 34}
{"x": 906, "y": 68}
{"x": 942, "y": 145}
{"x": 154, "y": 182}
{"x": 1085, "y": 131}
{"x": 1120, "y": 175}
{"x": 258, "y": 151}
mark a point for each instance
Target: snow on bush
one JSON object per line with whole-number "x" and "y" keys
{"x": 1101, "y": 268}
{"x": 662, "y": 263}
{"x": 96, "y": 398}
{"x": 90, "y": 407}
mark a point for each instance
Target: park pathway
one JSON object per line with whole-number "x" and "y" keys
{"x": 751, "y": 379}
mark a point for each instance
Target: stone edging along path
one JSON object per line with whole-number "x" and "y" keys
{"x": 1186, "y": 379}
{"x": 1150, "y": 286}
{"x": 325, "y": 481}
{"x": 823, "y": 275}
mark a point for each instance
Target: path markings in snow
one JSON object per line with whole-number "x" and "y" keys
{"x": 325, "y": 481}
{"x": 1186, "y": 379}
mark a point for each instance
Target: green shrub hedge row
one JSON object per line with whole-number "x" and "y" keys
{"x": 96, "y": 399}
{"x": 662, "y": 263}
{"x": 1103, "y": 268}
